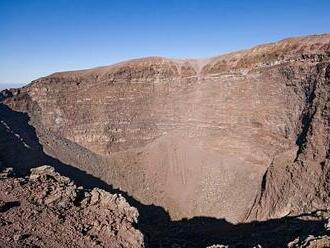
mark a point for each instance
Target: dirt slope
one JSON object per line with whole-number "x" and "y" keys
{"x": 243, "y": 136}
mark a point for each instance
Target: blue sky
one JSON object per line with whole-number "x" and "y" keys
{"x": 38, "y": 37}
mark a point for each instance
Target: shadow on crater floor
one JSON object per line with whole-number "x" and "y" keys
{"x": 20, "y": 149}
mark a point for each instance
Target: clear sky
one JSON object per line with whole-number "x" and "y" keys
{"x": 38, "y": 37}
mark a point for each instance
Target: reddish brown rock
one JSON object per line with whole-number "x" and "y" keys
{"x": 48, "y": 210}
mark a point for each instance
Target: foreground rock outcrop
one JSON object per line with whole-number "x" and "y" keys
{"x": 48, "y": 210}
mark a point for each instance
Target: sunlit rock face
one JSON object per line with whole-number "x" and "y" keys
{"x": 237, "y": 136}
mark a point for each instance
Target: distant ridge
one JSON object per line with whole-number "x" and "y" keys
{"x": 10, "y": 85}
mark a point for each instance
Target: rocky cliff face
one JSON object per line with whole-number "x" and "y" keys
{"x": 46, "y": 209}
{"x": 244, "y": 136}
